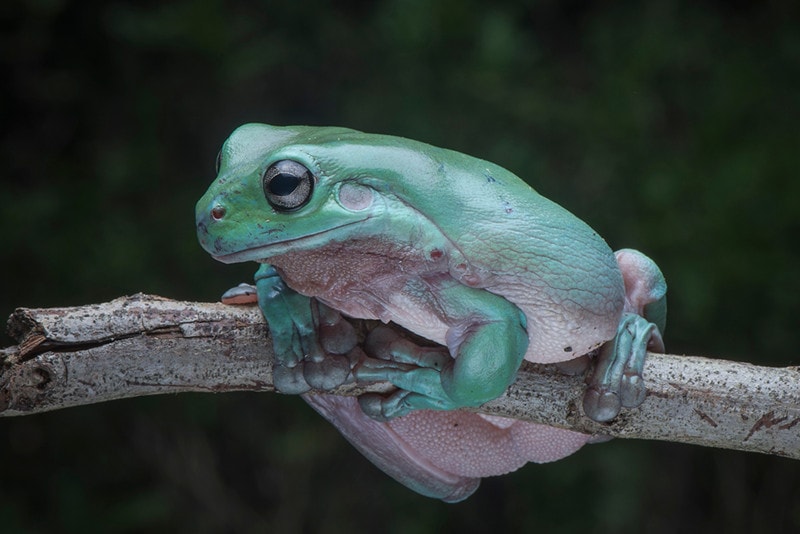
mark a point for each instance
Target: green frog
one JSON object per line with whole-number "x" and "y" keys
{"x": 453, "y": 248}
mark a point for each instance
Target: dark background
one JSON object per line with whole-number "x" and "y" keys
{"x": 669, "y": 126}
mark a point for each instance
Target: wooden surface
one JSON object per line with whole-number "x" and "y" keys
{"x": 147, "y": 345}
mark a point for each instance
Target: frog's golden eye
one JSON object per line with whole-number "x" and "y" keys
{"x": 287, "y": 185}
{"x": 219, "y": 160}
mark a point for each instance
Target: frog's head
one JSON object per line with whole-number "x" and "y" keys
{"x": 276, "y": 192}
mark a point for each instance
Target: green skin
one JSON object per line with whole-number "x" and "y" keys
{"x": 451, "y": 247}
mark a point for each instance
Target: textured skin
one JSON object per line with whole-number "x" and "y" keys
{"x": 453, "y": 248}
{"x": 445, "y": 454}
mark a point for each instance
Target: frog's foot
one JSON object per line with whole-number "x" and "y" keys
{"x": 387, "y": 345}
{"x": 481, "y": 360}
{"x": 414, "y": 369}
{"x": 402, "y": 402}
{"x": 314, "y": 346}
{"x": 616, "y": 381}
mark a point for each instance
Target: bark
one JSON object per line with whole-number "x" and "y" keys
{"x": 146, "y": 345}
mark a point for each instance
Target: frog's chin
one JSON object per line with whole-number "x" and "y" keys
{"x": 258, "y": 254}
{"x": 262, "y": 253}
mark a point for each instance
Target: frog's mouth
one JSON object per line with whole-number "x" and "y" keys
{"x": 262, "y": 253}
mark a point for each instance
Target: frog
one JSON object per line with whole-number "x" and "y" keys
{"x": 466, "y": 256}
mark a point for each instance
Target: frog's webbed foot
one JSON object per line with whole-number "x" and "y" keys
{"x": 313, "y": 345}
{"x": 413, "y": 368}
{"x": 616, "y": 380}
{"x": 481, "y": 359}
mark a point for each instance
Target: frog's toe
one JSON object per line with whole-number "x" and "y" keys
{"x": 327, "y": 373}
{"x": 289, "y": 380}
{"x": 375, "y": 370}
{"x": 372, "y": 406}
{"x": 336, "y": 335}
{"x": 241, "y": 294}
{"x": 601, "y": 405}
{"x": 632, "y": 390}
{"x": 319, "y": 371}
{"x": 396, "y": 404}
{"x": 384, "y": 343}
{"x": 288, "y": 349}
{"x": 384, "y": 408}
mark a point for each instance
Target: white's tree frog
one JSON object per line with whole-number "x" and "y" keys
{"x": 453, "y": 248}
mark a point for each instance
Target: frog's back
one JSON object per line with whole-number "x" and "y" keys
{"x": 513, "y": 242}
{"x": 504, "y": 237}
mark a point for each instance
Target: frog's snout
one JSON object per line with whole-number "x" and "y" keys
{"x": 206, "y": 215}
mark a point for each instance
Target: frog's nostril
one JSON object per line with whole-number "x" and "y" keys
{"x": 217, "y": 213}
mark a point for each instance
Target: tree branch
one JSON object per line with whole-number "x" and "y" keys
{"x": 146, "y": 345}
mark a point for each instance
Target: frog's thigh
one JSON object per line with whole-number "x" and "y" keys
{"x": 487, "y": 339}
{"x": 488, "y": 344}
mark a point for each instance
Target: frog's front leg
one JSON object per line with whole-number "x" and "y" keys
{"x": 311, "y": 341}
{"x": 617, "y": 377}
{"x": 486, "y": 342}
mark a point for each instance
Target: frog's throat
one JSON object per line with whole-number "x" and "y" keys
{"x": 262, "y": 253}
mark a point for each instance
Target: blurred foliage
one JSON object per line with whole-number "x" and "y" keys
{"x": 669, "y": 126}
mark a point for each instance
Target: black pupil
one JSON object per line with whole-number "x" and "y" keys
{"x": 283, "y": 184}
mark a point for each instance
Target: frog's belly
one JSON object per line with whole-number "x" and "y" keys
{"x": 562, "y": 326}
{"x": 563, "y": 322}
{"x": 557, "y": 330}
{"x": 553, "y": 335}
{"x": 400, "y": 308}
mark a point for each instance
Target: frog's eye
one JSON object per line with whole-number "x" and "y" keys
{"x": 287, "y": 185}
{"x": 219, "y": 160}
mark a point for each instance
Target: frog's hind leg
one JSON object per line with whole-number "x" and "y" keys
{"x": 617, "y": 377}
{"x": 485, "y": 348}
